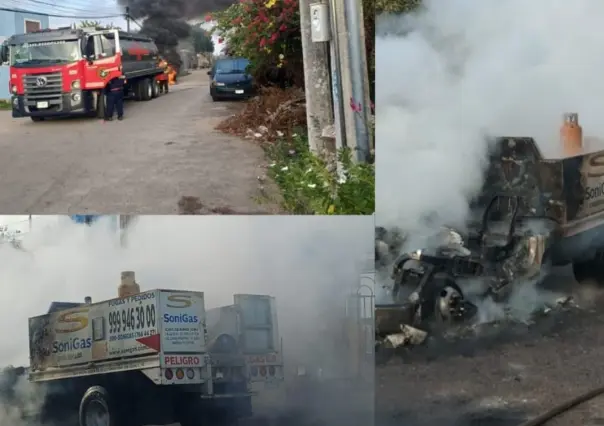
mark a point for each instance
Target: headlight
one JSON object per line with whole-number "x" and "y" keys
{"x": 219, "y": 84}
{"x": 76, "y": 84}
{"x": 416, "y": 255}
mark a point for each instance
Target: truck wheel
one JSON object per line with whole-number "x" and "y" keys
{"x": 433, "y": 296}
{"x": 98, "y": 409}
{"x": 155, "y": 87}
{"x": 166, "y": 86}
{"x": 101, "y": 105}
{"x": 146, "y": 90}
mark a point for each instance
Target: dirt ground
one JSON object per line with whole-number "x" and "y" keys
{"x": 504, "y": 377}
{"x": 164, "y": 150}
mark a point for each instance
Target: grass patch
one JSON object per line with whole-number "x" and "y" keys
{"x": 5, "y": 105}
{"x": 311, "y": 185}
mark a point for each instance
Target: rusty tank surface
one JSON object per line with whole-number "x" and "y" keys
{"x": 532, "y": 212}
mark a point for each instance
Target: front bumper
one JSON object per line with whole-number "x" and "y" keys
{"x": 67, "y": 104}
{"x": 232, "y": 92}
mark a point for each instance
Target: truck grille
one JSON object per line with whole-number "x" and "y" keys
{"x": 46, "y": 87}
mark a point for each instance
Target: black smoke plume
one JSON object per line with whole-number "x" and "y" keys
{"x": 165, "y": 21}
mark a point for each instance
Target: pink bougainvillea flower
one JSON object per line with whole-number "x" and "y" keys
{"x": 262, "y": 42}
{"x": 220, "y": 40}
{"x": 283, "y": 28}
{"x": 208, "y": 18}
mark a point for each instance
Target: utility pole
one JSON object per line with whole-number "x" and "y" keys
{"x": 349, "y": 31}
{"x": 127, "y": 19}
{"x": 317, "y": 87}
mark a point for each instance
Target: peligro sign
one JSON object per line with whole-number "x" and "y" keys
{"x": 182, "y": 360}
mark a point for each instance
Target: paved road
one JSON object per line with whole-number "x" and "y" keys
{"x": 502, "y": 378}
{"x": 165, "y": 149}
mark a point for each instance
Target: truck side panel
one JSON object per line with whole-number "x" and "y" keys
{"x": 182, "y": 322}
{"x": 584, "y": 185}
{"x": 111, "y": 329}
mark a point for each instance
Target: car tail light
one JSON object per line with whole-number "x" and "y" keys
{"x": 180, "y": 374}
{"x": 168, "y": 374}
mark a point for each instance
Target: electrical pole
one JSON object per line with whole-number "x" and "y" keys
{"x": 349, "y": 31}
{"x": 127, "y": 19}
{"x": 317, "y": 87}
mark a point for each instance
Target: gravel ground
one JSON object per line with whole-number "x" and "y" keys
{"x": 165, "y": 153}
{"x": 508, "y": 374}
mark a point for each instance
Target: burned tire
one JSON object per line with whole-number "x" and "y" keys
{"x": 97, "y": 408}
{"x": 432, "y": 298}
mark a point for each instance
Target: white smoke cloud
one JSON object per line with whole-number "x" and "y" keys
{"x": 310, "y": 264}
{"x": 465, "y": 68}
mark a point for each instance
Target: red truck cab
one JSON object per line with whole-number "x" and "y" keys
{"x": 65, "y": 71}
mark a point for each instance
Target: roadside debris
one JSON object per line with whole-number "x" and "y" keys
{"x": 274, "y": 114}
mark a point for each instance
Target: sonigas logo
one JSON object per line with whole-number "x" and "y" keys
{"x": 72, "y": 321}
{"x": 179, "y": 301}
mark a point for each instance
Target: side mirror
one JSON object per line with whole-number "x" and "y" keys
{"x": 3, "y": 53}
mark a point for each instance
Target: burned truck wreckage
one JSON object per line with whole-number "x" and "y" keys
{"x": 532, "y": 213}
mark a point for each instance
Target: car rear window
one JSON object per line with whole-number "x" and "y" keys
{"x": 232, "y": 66}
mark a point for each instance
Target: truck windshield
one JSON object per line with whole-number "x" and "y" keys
{"x": 32, "y": 54}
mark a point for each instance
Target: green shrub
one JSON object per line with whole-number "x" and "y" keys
{"x": 311, "y": 185}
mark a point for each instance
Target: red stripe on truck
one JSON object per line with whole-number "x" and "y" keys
{"x": 152, "y": 342}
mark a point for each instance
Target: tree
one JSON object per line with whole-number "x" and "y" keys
{"x": 97, "y": 25}
{"x": 202, "y": 42}
{"x": 396, "y": 6}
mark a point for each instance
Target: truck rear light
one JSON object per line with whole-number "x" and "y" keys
{"x": 168, "y": 374}
{"x": 180, "y": 374}
{"x": 190, "y": 373}
{"x": 254, "y": 371}
{"x": 271, "y": 370}
{"x": 263, "y": 371}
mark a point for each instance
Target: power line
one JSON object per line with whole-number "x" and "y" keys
{"x": 67, "y": 8}
{"x": 51, "y": 15}
{"x": 43, "y": 7}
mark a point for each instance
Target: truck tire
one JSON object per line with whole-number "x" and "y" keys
{"x": 101, "y": 104}
{"x": 146, "y": 90}
{"x": 97, "y": 408}
{"x": 432, "y": 297}
{"x": 136, "y": 90}
{"x": 155, "y": 88}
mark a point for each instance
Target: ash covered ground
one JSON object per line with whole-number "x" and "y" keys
{"x": 502, "y": 373}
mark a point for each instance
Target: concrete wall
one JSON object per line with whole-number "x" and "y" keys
{"x": 14, "y": 23}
